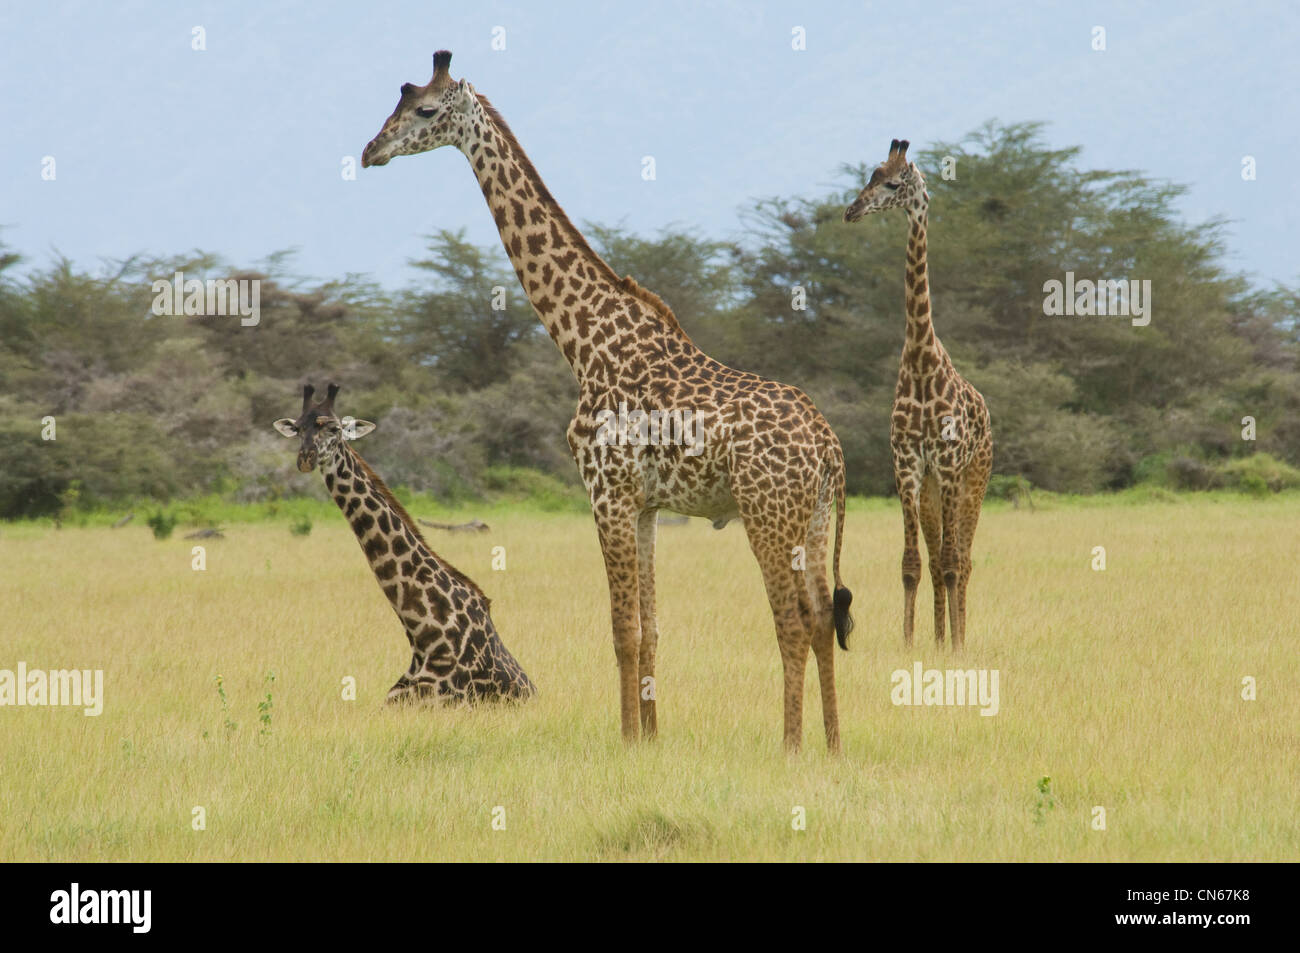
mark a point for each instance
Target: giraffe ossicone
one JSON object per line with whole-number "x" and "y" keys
{"x": 939, "y": 430}
{"x": 457, "y": 654}
{"x": 764, "y": 453}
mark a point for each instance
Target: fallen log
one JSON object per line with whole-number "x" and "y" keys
{"x": 473, "y": 526}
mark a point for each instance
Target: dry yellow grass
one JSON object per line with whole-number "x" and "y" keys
{"x": 1123, "y": 686}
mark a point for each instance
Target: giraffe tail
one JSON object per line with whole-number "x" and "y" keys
{"x": 842, "y": 598}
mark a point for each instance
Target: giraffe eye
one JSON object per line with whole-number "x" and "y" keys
{"x": 426, "y": 112}
{"x": 891, "y": 185}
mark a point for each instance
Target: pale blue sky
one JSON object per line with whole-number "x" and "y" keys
{"x": 237, "y": 149}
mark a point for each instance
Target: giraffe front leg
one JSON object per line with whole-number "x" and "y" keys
{"x": 403, "y": 691}
{"x": 908, "y": 486}
{"x": 647, "y": 686}
{"x": 400, "y": 693}
{"x": 618, "y": 544}
{"x": 932, "y": 528}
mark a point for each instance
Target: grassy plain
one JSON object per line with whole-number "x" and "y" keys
{"x": 1123, "y": 687}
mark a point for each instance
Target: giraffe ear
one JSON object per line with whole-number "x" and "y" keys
{"x": 356, "y": 429}
{"x": 286, "y": 427}
{"x": 464, "y": 96}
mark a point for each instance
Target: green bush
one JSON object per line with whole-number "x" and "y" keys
{"x": 1177, "y": 469}
{"x": 1259, "y": 474}
{"x": 301, "y": 527}
{"x": 162, "y": 524}
{"x": 1007, "y": 487}
{"x": 1253, "y": 484}
{"x": 1188, "y": 473}
{"x": 547, "y": 492}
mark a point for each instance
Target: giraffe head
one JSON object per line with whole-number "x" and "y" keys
{"x": 320, "y": 429}
{"x": 442, "y": 112}
{"x": 895, "y": 183}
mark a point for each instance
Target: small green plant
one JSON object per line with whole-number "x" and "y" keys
{"x": 225, "y": 705}
{"x": 68, "y": 502}
{"x": 1046, "y": 800}
{"x": 162, "y": 524}
{"x": 301, "y": 527}
{"x": 264, "y": 710}
{"x": 338, "y": 805}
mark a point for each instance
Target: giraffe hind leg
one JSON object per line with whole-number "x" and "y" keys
{"x": 791, "y": 610}
{"x": 975, "y": 482}
{"x": 648, "y": 687}
{"x": 822, "y": 618}
{"x": 950, "y": 497}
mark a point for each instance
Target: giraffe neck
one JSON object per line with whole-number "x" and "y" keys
{"x": 393, "y": 546}
{"x": 597, "y": 319}
{"x": 920, "y": 343}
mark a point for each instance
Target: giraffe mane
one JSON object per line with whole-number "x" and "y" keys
{"x": 409, "y": 523}
{"x": 627, "y": 283}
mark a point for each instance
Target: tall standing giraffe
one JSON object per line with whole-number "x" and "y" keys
{"x": 762, "y": 451}
{"x": 939, "y": 430}
{"x": 456, "y": 652}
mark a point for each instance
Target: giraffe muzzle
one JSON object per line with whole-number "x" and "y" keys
{"x": 368, "y": 157}
{"x": 306, "y": 462}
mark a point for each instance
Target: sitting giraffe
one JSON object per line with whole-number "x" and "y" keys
{"x": 457, "y": 654}
{"x": 762, "y": 451}
{"x": 939, "y": 431}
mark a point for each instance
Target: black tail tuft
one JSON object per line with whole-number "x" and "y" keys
{"x": 843, "y": 621}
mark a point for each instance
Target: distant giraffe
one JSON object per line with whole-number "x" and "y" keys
{"x": 457, "y": 654}
{"x": 763, "y": 452}
{"x": 939, "y": 431}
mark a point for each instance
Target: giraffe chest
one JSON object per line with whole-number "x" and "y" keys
{"x": 672, "y": 459}
{"x": 938, "y": 423}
